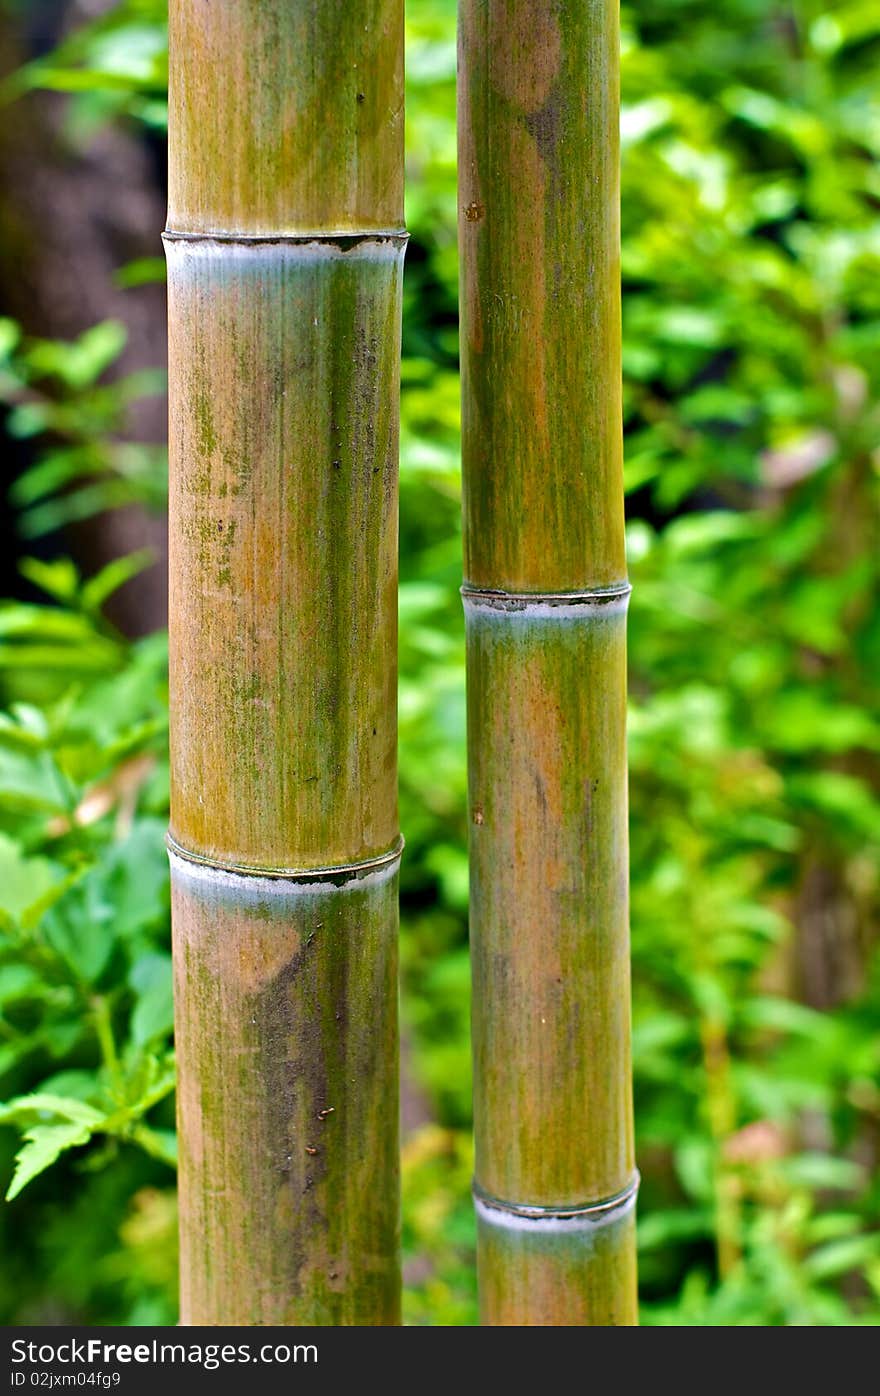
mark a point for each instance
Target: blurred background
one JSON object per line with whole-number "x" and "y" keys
{"x": 751, "y": 279}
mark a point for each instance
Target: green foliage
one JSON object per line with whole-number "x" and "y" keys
{"x": 56, "y": 395}
{"x": 752, "y": 322}
{"x": 115, "y": 66}
{"x": 85, "y": 984}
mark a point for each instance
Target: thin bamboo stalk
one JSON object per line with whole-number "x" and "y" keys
{"x": 285, "y": 248}
{"x": 545, "y": 606}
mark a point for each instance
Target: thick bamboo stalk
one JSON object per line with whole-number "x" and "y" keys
{"x": 285, "y": 249}
{"x": 545, "y": 605}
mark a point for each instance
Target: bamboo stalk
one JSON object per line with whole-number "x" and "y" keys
{"x": 545, "y": 606}
{"x": 285, "y": 249}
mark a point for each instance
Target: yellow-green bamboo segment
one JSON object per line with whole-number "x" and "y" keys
{"x": 545, "y": 605}
{"x": 285, "y": 247}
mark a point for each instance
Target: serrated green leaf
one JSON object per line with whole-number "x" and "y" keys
{"x": 44, "y": 1144}
{"x": 46, "y": 1103}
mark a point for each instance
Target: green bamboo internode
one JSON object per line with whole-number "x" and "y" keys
{"x": 285, "y": 247}
{"x": 545, "y": 605}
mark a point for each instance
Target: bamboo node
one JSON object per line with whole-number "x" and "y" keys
{"x": 341, "y": 872}
{"x": 341, "y": 241}
{"x": 520, "y": 1216}
{"x": 611, "y": 600}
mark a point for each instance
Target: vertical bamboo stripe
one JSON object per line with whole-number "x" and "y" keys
{"x": 285, "y": 249}
{"x": 545, "y": 607}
